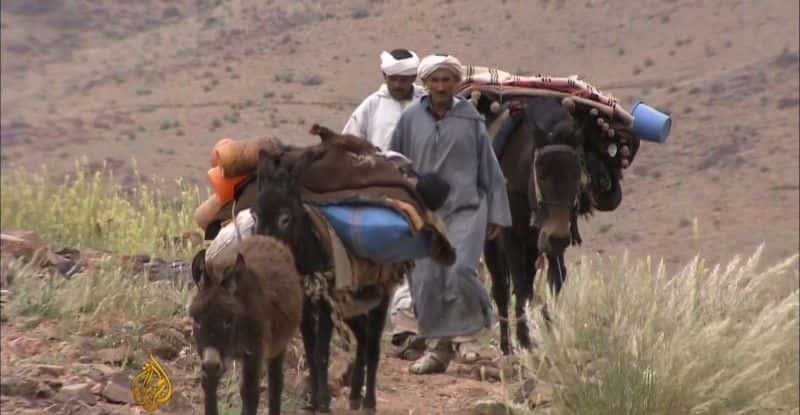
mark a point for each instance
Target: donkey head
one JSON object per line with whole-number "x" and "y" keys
{"x": 278, "y": 209}
{"x": 216, "y": 312}
{"x": 555, "y": 185}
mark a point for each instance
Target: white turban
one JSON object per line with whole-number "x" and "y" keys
{"x": 403, "y": 67}
{"x": 431, "y": 63}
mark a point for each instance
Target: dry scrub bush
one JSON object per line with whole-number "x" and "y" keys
{"x": 629, "y": 338}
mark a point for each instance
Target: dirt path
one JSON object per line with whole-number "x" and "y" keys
{"x": 402, "y": 393}
{"x": 48, "y": 368}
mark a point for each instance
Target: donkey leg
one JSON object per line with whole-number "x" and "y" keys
{"x": 275, "y": 378}
{"x": 322, "y": 349}
{"x": 210, "y": 383}
{"x": 556, "y": 273}
{"x": 522, "y": 276}
{"x": 308, "y": 332}
{"x": 375, "y": 324}
{"x": 359, "y": 327}
{"x": 249, "y": 387}
{"x": 499, "y": 274}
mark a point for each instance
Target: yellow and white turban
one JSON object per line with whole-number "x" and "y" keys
{"x": 403, "y": 67}
{"x": 431, "y": 63}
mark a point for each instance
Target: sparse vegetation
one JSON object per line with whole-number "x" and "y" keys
{"x": 683, "y": 41}
{"x": 286, "y": 76}
{"x": 360, "y": 12}
{"x": 110, "y": 292}
{"x": 232, "y": 117}
{"x": 312, "y": 80}
{"x": 215, "y": 123}
{"x": 167, "y": 123}
{"x": 90, "y": 210}
{"x": 787, "y": 102}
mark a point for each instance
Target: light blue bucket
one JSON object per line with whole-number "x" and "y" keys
{"x": 649, "y": 123}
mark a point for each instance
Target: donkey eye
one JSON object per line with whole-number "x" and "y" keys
{"x": 227, "y": 324}
{"x": 283, "y": 221}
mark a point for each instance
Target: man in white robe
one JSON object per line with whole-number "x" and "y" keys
{"x": 374, "y": 119}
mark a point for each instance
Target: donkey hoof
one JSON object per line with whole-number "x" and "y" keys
{"x": 369, "y": 411}
{"x": 355, "y": 404}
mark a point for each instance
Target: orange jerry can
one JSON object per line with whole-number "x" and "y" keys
{"x": 223, "y": 186}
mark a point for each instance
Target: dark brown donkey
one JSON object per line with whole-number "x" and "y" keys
{"x": 246, "y": 311}
{"x": 279, "y": 212}
{"x": 548, "y": 161}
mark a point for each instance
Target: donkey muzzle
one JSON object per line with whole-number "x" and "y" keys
{"x": 212, "y": 361}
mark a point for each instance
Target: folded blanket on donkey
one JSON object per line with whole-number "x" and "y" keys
{"x": 487, "y": 79}
{"x": 573, "y": 85}
{"x": 343, "y": 177}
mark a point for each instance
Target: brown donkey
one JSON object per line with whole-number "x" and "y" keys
{"x": 247, "y": 311}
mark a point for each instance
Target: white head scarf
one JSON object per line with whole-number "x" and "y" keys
{"x": 431, "y": 63}
{"x": 403, "y": 67}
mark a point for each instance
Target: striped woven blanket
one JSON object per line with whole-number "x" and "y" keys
{"x": 573, "y": 85}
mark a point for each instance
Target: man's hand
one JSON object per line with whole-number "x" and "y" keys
{"x": 492, "y": 231}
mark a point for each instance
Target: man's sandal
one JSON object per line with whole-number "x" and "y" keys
{"x": 467, "y": 353}
{"x": 410, "y": 348}
{"x": 428, "y": 364}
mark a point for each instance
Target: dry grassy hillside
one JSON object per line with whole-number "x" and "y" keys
{"x": 162, "y": 81}
{"x": 159, "y": 82}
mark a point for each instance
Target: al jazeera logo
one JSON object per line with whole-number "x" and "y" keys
{"x": 151, "y": 387}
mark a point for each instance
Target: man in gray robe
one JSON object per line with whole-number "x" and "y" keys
{"x": 445, "y": 134}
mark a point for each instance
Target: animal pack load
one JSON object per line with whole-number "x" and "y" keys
{"x": 377, "y": 233}
{"x": 645, "y": 122}
{"x": 231, "y": 162}
{"x": 508, "y": 100}
{"x": 372, "y": 207}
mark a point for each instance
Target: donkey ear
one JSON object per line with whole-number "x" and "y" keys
{"x": 199, "y": 274}
{"x": 308, "y": 157}
{"x": 263, "y": 154}
{"x": 266, "y": 168}
{"x": 232, "y": 276}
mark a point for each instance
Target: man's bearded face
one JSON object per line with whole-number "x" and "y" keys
{"x": 441, "y": 85}
{"x": 401, "y": 87}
